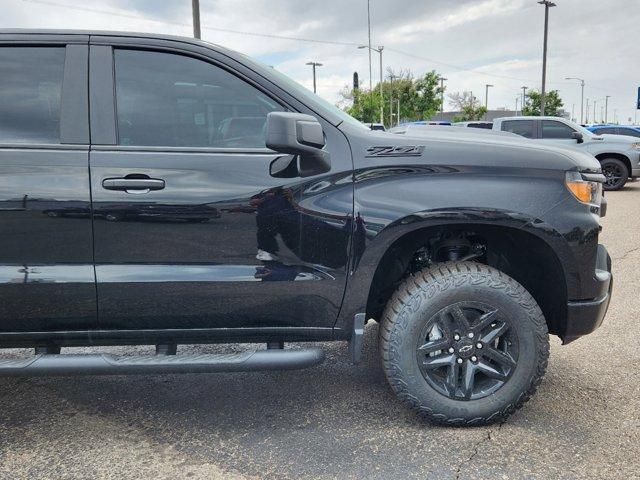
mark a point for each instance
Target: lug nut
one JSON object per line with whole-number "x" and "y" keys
{"x": 456, "y": 337}
{"x": 474, "y": 359}
{"x": 470, "y": 335}
{"x": 478, "y": 345}
{"x": 451, "y": 350}
{"x": 459, "y": 360}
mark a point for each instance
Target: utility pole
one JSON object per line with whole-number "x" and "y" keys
{"x": 195, "y": 8}
{"x": 594, "y": 111}
{"x": 314, "y": 65}
{"x": 524, "y": 98}
{"x": 606, "y": 108}
{"x": 442, "y": 80}
{"x": 547, "y": 4}
{"x": 517, "y": 100}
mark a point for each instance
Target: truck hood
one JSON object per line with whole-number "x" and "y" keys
{"x": 449, "y": 147}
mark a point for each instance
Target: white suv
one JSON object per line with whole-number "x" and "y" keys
{"x": 619, "y": 155}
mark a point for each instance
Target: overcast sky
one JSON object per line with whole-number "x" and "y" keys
{"x": 471, "y": 42}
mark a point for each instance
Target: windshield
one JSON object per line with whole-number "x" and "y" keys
{"x": 580, "y": 128}
{"x": 303, "y": 93}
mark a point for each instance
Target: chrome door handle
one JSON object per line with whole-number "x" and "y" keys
{"x": 133, "y": 185}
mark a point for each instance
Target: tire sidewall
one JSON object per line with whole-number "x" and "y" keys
{"x": 621, "y": 164}
{"x": 423, "y": 305}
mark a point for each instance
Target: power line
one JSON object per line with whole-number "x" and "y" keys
{"x": 189, "y": 25}
{"x": 292, "y": 38}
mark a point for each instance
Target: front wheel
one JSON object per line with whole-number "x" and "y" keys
{"x": 615, "y": 172}
{"x": 463, "y": 344}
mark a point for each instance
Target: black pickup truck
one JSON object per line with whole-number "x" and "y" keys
{"x": 162, "y": 191}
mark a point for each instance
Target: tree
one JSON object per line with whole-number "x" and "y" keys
{"x": 552, "y": 104}
{"x": 468, "y": 105}
{"x": 462, "y": 100}
{"x": 419, "y": 98}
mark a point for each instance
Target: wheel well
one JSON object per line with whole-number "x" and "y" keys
{"x": 521, "y": 255}
{"x": 619, "y": 156}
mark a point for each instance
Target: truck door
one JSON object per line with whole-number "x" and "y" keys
{"x": 191, "y": 231}
{"x": 47, "y": 280}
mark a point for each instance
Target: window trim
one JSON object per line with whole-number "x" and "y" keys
{"x": 74, "y": 108}
{"x": 104, "y": 93}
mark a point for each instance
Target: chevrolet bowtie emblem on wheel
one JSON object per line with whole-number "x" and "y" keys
{"x": 465, "y": 348}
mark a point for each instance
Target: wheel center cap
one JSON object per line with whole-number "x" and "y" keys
{"x": 465, "y": 349}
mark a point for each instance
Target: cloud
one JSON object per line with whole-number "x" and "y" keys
{"x": 494, "y": 41}
{"x": 459, "y": 16}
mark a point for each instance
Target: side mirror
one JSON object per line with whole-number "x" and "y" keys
{"x": 577, "y": 136}
{"x": 299, "y": 135}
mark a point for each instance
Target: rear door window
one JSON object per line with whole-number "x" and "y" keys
{"x": 526, "y": 128}
{"x": 30, "y": 93}
{"x": 556, "y": 130}
{"x": 172, "y": 100}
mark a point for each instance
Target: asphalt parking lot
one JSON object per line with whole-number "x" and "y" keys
{"x": 339, "y": 420}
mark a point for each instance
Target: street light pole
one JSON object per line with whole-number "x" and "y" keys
{"x": 547, "y": 4}
{"x": 391, "y": 78}
{"x": 524, "y": 98}
{"x": 379, "y": 50}
{"x": 606, "y": 108}
{"x": 369, "y": 32}
{"x": 442, "y": 80}
{"x": 314, "y": 65}
{"x": 486, "y": 95}
{"x": 195, "y": 10}
{"x": 586, "y": 117}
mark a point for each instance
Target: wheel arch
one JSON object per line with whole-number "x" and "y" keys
{"x": 518, "y": 250}
{"x": 618, "y": 156}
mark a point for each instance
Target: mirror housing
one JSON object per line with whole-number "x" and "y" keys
{"x": 299, "y": 135}
{"x": 577, "y": 136}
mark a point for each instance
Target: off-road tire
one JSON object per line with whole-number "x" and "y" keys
{"x": 423, "y": 295}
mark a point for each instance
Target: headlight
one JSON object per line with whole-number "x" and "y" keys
{"x": 584, "y": 190}
{"x": 635, "y": 146}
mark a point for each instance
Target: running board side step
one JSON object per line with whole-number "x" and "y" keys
{"x": 104, "y": 364}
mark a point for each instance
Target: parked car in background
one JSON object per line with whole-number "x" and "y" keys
{"x": 376, "y": 126}
{"x": 475, "y": 124}
{"x": 630, "y": 130}
{"x": 619, "y": 155}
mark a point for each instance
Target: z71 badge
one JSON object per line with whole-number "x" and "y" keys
{"x": 403, "y": 151}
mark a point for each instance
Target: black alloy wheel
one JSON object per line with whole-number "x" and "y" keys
{"x": 615, "y": 172}
{"x": 467, "y": 351}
